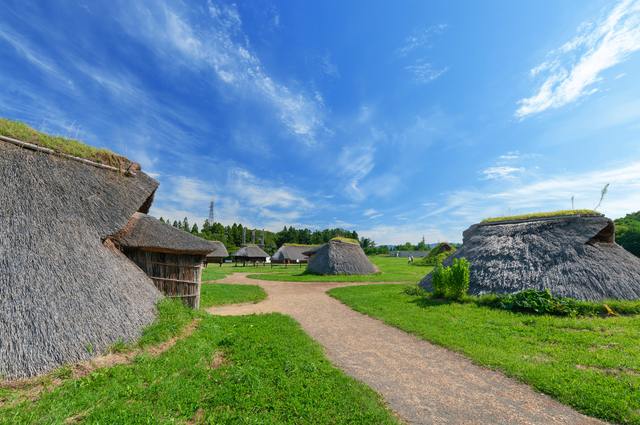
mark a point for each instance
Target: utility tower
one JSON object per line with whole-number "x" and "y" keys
{"x": 211, "y": 213}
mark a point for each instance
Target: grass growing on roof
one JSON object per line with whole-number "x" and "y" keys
{"x": 589, "y": 363}
{"x": 243, "y": 369}
{"x": 300, "y": 244}
{"x": 392, "y": 270}
{"x": 224, "y": 293}
{"x": 435, "y": 256}
{"x": 20, "y": 131}
{"x": 340, "y": 238}
{"x": 560, "y": 213}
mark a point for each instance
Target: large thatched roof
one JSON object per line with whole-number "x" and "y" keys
{"x": 292, "y": 253}
{"x": 61, "y": 290}
{"x": 571, "y": 256}
{"x": 220, "y": 251}
{"x": 338, "y": 257}
{"x": 250, "y": 251}
{"x": 150, "y": 234}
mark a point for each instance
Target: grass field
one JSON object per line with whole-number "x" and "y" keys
{"x": 232, "y": 370}
{"x": 393, "y": 270}
{"x": 590, "y": 363}
{"x": 223, "y": 293}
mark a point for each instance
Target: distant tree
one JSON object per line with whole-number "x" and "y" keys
{"x": 194, "y": 229}
{"x": 161, "y": 219}
{"x": 185, "y": 225}
{"x": 175, "y": 224}
{"x": 421, "y": 246}
{"x": 628, "y": 232}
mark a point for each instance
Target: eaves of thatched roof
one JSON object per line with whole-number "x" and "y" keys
{"x": 574, "y": 257}
{"x": 220, "y": 251}
{"x": 250, "y": 252}
{"x": 291, "y": 253}
{"x": 61, "y": 289}
{"x": 338, "y": 257}
{"x": 150, "y": 234}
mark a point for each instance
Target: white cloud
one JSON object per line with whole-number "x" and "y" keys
{"x": 577, "y": 64}
{"x": 328, "y": 67}
{"x": 354, "y": 164}
{"x": 376, "y": 216}
{"x": 621, "y": 75}
{"x": 223, "y": 49}
{"x": 425, "y": 73}
{"x": 369, "y": 212}
{"x": 505, "y": 172}
{"x": 420, "y": 38}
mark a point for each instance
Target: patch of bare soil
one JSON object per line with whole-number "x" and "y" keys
{"x": 32, "y": 388}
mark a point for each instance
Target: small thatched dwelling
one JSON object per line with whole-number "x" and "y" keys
{"x": 339, "y": 257}
{"x": 436, "y": 255}
{"x": 218, "y": 255}
{"x": 64, "y": 295}
{"x": 250, "y": 254}
{"x": 572, "y": 256}
{"x": 171, "y": 257}
{"x": 291, "y": 254}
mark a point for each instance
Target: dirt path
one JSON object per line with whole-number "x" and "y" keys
{"x": 422, "y": 383}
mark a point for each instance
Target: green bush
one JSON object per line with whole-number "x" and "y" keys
{"x": 538, "y": 302}
{"x": 451, "y": 282}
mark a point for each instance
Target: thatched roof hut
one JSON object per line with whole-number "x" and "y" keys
{"x": 288, "y": 254}
{"x": 251, "y": 254}
{"x": 218, "y": 255}
{"x": 63, "y": 294}
{"x": 171, "y": 257}
{"x": 339, "y": 257}
{"x": 574, "y": 257}
{"x": 436, "y": 255}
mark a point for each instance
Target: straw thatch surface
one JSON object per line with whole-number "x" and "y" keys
{"x": 250, "y": 252}
{"x": 150, "y": 234}
{"x": 220, "y": 251}
{"x": 291, "y": 253}
{"x": 574, "y": 257}
{"x": 61, "y": 290}
{"x": 337, "y": 257}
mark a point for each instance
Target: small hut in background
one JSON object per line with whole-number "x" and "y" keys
{"x": 574, "y": 256}
{"x": 171, "y": 257}
{"x": 291, "y": 254}
{"x": 218, "y": 255}
{"x": 251, "y": 254}
{"x": 339, "y": 257}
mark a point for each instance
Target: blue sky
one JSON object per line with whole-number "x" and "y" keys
{"x": 395, "y": 119}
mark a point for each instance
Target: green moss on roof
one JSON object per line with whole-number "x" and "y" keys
{"x": 20, "y": 131}
{"x": 345, "y": 240}
{"x": 299, "y": 244}
{"x": 540, "y": 215}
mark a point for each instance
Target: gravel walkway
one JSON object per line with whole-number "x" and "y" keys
{"x": 422, "y": 383}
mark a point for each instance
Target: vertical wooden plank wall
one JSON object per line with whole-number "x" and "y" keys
{"x": 175, "y": 275}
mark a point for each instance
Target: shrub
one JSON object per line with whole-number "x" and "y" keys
{"x": 538, "y": 302}
{"x": 453, "y": 281}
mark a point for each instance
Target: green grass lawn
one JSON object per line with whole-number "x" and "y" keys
{"x": 393, "y": 270}
{"x": 215, "y": 272}
{"x": 590, "y": 363}
{"x": 223, "y": 293}
{"x": 257, "y": 369}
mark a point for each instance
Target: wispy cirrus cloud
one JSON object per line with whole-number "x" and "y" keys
{"x": 423, "y": 71}
{"x": 421, "y": 37}
{"x": 572, "y": 69}
{"x": 505, "y": 172}
{"x": 221, "y": 48}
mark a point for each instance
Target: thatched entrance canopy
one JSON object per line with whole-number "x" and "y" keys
{"x": 251, "y": 254}
{"x": 63, "y": 295}
{"x": 171, "y": 257}
{"x": 574, "y": 257}
{"x": 218, "y": 255}
{"x": 288, "y": 254}
{"x": 339, "y": 257}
